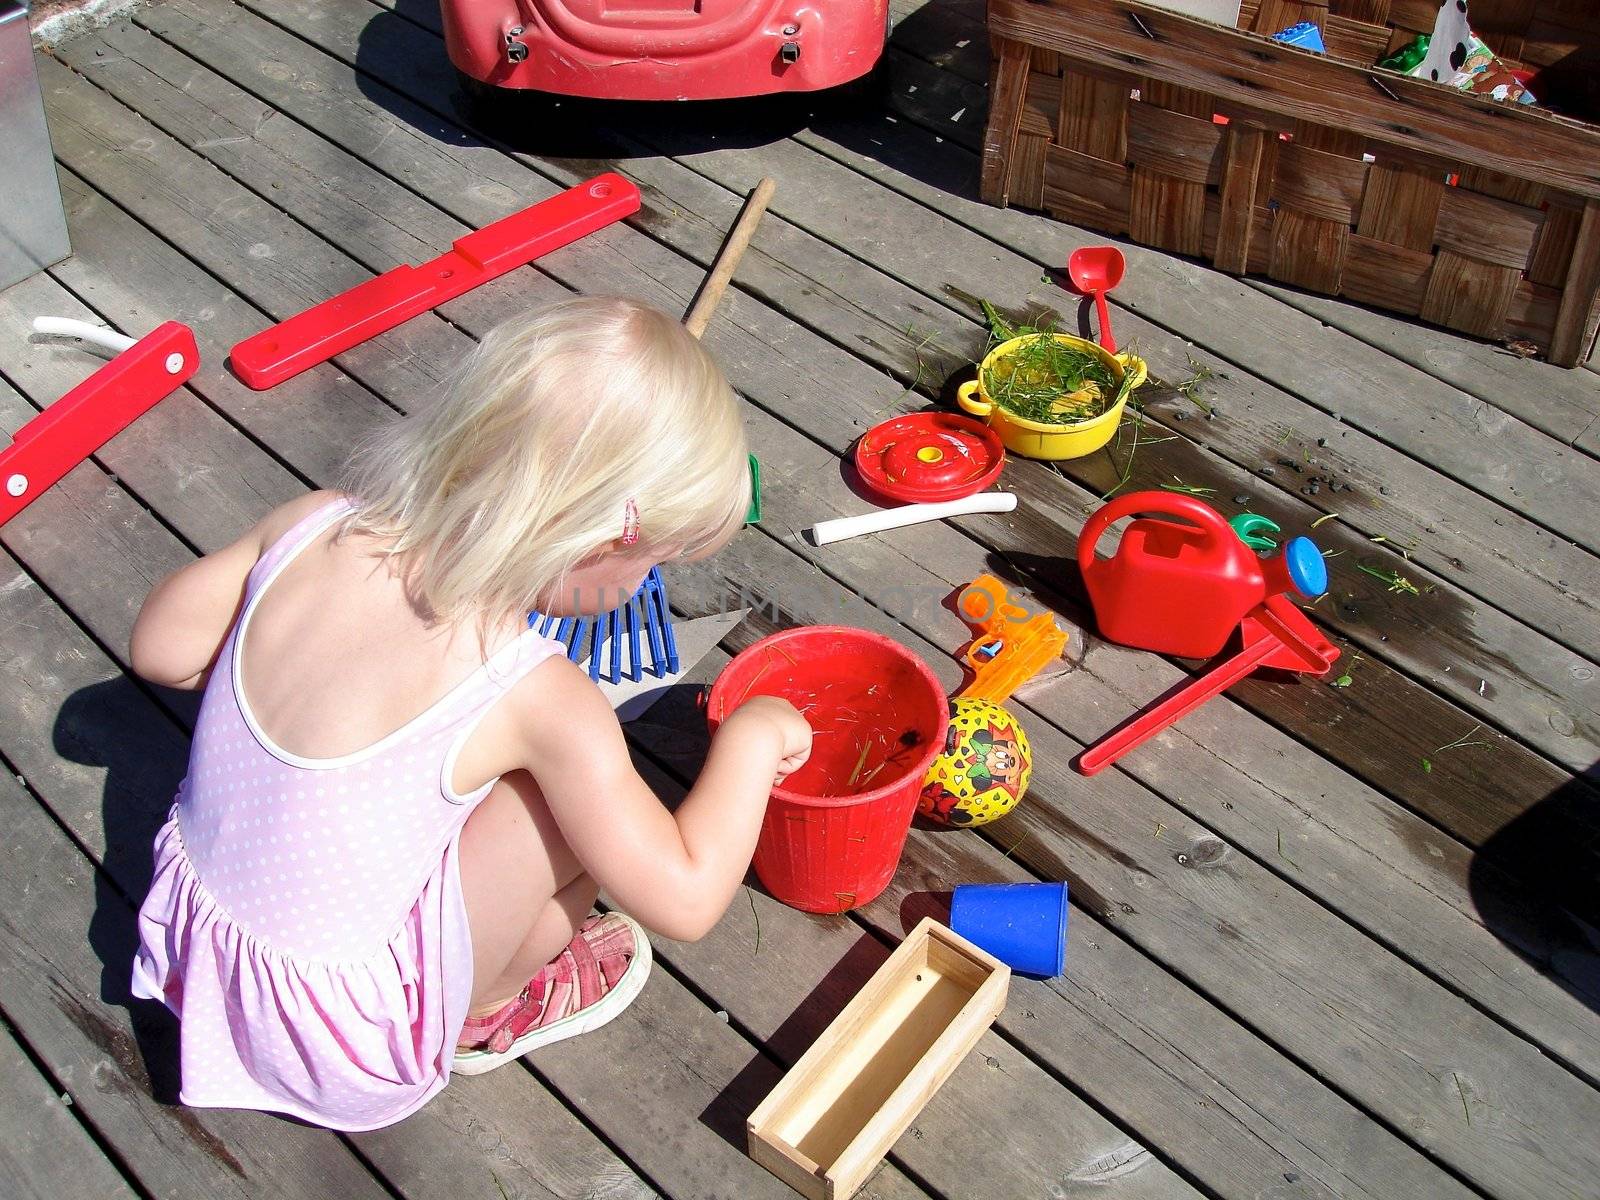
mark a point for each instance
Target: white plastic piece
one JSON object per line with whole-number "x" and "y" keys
{"x": 83, "y": 331}
{"x": 16, "y": 484}
{"x": 838, "y": 530}
{"x": 174, "y": 363}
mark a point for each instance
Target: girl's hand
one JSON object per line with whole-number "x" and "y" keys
{"x": 793, "y": 731}
{"x": 675, "y": 871}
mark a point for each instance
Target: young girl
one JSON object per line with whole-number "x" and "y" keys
{"x": 401, "y": 802}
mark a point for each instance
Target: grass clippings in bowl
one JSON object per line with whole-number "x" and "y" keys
{"x": 1046, "y": 380}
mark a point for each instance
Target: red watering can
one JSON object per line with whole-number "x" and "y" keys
{"x": 1182, "y": 589}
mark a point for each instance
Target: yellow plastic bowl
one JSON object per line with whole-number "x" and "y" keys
{"x": 1035, "y": 439}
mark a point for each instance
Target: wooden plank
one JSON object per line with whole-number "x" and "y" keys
{"x": 1274, "y": 15}
{"x": 1041, "y": 105}
{"x": 1469, "y": 692}
{"x": 1559, "y": 404}
{"x": 1240, "y": 340}
{"x": 951, "y": 34}
{"x": 1135, "y": 885}
{"x": 530, "y": 1138}
{"x": 826, "y": 961}
{"x": 1252, "y": 794}
{"x": 1166, "y": 212}
{"x": 1503, "y": 187}
{"x": 1383, "y": 273}
{"x": 1308, "y": 251}
{"x": 1094, "y": 116}
{"x": 1196, "y": 54}
{"x": 1232, "y": 1135}
{"x": 1076, "y": 182}
{"x": 1486, "y": 229}
{"x": 45, "y": 1152}
{"x": 1562, "y": 403}
{"x": 1240, "y": 185}
{"x": 107, "y": 1056}
{"x": 1027, "y": 171}
{"x": 858, "y": 218}
{"x": 1162, "y": 92}
{"x": 962, "y": 1109}
{"x": 1000, "y": 140}
{"x": 1050, "y": 1101}
{"x": 1575, "y": 320}
{"x": 1172, "y": 144}
{"x": 1469, "y": 295}
{"x": 674, "y": 1083}
{"x": 1360, "y": 43}
{"x": 1552, "y": 253}
{"x": 1401, "y": 206}
{"x": 1016, "y": 283}
{"x": 957, "y": 1114}
{"x": 682, "y": 1149}
{"x": 1317, "y": 183}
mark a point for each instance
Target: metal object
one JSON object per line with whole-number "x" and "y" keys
{"x": 33, "y": 227}
{"x": 515, "y": 51}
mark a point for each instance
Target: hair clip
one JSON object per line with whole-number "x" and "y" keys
{"x": 630, "y": 524}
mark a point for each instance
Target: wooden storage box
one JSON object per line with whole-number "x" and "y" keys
{"x": 1318, "y": 171}
{"x": 839, "y": 1109}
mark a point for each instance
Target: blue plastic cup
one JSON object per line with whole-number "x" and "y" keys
{"x": 1024, "y": 925}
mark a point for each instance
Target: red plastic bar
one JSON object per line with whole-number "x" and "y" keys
{"x": 1276, "y": 634}
{"x": 92, "y": 413}
{"x": 282, "y": 351}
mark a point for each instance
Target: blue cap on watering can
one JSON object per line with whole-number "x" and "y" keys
{"x": 1308, "y": 570}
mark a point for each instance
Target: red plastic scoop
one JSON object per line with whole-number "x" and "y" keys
{"x": 927, "y": 457}
{"x": 1094, "y": 271}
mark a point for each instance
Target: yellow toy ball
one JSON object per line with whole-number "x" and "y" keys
{"x": 983, "y": 769}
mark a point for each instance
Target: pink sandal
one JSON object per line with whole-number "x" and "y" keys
{"x": 597, "y": 976}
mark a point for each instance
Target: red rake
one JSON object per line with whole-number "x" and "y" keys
{"x": 1275, "y": 634}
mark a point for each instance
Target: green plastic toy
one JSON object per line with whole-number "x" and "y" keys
{"x": 1254, "y": 530}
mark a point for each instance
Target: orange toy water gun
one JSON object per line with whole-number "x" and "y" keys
{"x": 1014, "y": 645}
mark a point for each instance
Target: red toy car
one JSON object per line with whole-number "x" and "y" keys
{"x": 665, "y": 49}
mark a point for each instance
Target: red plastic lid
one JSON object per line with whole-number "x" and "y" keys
{"x": 929, "y": 456}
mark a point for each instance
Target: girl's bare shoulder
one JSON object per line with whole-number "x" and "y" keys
{"x": 286, "y": 516}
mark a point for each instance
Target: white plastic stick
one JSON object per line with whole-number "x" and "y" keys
{"x": 83, "y": 331}
{"x": 838, "y": 530}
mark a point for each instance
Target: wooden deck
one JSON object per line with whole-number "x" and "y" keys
{"x": 1327, "y": 941}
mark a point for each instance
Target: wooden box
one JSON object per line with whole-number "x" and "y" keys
{"x": 1319, "y": 171}
{"x": 839, "y": 1109}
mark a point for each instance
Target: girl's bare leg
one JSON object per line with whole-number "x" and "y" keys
{"x": 526, "y": 892}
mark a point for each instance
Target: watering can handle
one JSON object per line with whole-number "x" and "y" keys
{"x": 1172, "y": 504}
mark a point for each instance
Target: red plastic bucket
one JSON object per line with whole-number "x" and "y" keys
{"x": 834, "y": 830}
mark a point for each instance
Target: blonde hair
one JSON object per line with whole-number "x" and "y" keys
{"x": 526, "y": 467}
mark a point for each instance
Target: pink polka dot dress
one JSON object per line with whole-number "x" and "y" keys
{"x": 306, "y": 922}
